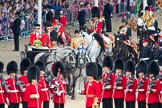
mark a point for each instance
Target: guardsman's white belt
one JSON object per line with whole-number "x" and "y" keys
{"x": 44, "y": 89}
{"x": 1, "y": 91}
{"x": 144, "y": 58}
{"x": 13, "y": 91}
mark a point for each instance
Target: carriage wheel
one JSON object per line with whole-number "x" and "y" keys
{"x": 22, "y": 55}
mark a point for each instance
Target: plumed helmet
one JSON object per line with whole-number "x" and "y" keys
{"x": 141, "y": 67}
{"x": 56, "y": 66}
{"x": 95, "y": 12}
{"x": 25, "y": 64}
{"x": 40, "y": 65}
{"x": 153, "y": 68}
{"x": 33, "y": 73}
{"x": 92, "y": 69}
{"x": 160, "y": 60}
{"x": 12, "y": 67}
{"x": 130, "y": 66}
{"x": 99, "y": 71}
{"x": 57, "y": 14}
{"x": 1, "y": 66}
{"x": 119, "y": 64}
{"x": 108, "y": 62}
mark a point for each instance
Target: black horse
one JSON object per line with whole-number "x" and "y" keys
{"x": 122, "y": 50}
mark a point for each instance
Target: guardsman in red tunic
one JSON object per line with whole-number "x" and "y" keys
{"x": 153, "y": 89}
{"x": 24, "y": 65}
{"x": 63, "y": 19}
{"x": 45, "y": 95}
{"x": 92, "y": 87}
{"x": 58, "y": 87}
{"x": 107, "y": 83}
{"x": 33, "y": 90}
{"x": 160, "y": 79}
{"x": 142, "y": 83}
{"x": 119, "y": 83}
{"x": 13, "y": 94}
{"x": 2, "y": 88}
{"x": 36, "y": 35}
{"x": 131, "y": 85}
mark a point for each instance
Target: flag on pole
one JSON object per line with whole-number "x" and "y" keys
{"x": 137, "y": 6}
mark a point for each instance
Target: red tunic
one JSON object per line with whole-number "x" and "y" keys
{"x": 33, "y": 37}
{"x": 153, "y": 97}
{"x": 91, "y": 90}
{"x": 119, "y": 93}
{"x": 141, "y": 96}
{"x": 44, "y": 89}
{"x": 2, "y": 94}
{"x": 63, "y": 20}
{"x": 34, "y": 89}
{"x": 14, "y": 91}
{"x": 24, "y": 80}
{"x": 47, "y": 40}
{"x": 97, "y": 26}
{"x": 130, "y": 96}
{"x": 61, "y": 86}
{"x": 107, "y": 93}
{"x": 160, "y": 95}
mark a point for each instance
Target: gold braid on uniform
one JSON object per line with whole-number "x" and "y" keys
{"x": 150, "y": 22}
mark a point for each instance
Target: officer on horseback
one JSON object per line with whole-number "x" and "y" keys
{"x": 96, "y": 27}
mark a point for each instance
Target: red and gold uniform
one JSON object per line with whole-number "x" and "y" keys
{"x": 2, "y": 94}
{"x": 37, "y": 36}
{"x": 60, "y": 92}
{"x": 92, "y": 91}
{"x": 96, "y": 26}
{"x": 44, "y": 89}
{"x": 34, "y": 89}
{"x": 14, "y": 91}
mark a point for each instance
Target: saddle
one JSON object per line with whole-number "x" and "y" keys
{"x": 132, "y": 44}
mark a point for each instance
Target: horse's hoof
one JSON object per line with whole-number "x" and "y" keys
{"x": 73, "y": 98}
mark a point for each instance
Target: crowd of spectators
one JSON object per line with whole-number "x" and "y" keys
{"x": 29, "y": 9}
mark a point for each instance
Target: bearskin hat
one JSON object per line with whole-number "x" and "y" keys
{"x": 41, "y": 65}
{"x": 119, "y": 64}
{"x": 92, "y": 69}
{"x": 12, "y": 67}
{"x": 99, "y": 71}
{"x": 57, "y": 14}
{"x": 153, "y": 68}
{"x": 141, "y": 67}
{"x": 56, "y": 66}
{"x": 95, "y": 12}
{"x": 1, "y": 67}
{"x": 160, "y": 60}
{"x": 130, "y": 66}
{"x": 108, "y": 62}
{"x": 25, "y": 64}
{"x": 33, "y": 73}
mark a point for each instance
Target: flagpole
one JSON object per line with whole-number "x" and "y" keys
{"x": 40, "y": 14}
